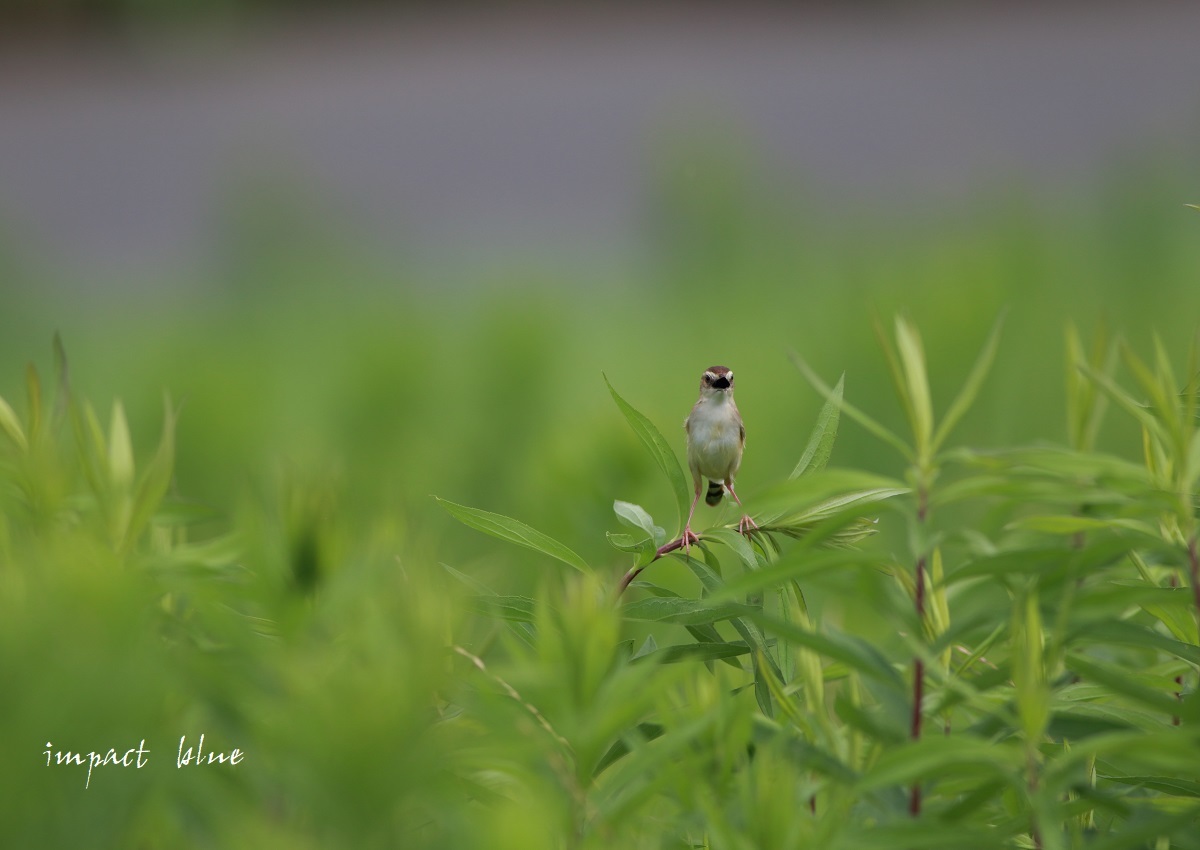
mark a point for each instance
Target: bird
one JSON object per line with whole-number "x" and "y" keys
{"x": 716, "y": 437}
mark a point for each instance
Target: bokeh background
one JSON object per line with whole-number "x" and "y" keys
{"x": 376, "y": 254}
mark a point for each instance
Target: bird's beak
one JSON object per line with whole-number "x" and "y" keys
{"x": 721, "y": 383}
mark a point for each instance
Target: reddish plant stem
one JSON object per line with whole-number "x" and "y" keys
{"x": 918, "y": 665}
{"x": 914, "y": 800}
{"x": 665, "y": 549}
{"x": 1178, "y": 679}
{"x": 1194, "y": 570}
{"x": 1194, "y": 575}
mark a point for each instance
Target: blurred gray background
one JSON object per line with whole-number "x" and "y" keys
{"x": 457, "y": 136}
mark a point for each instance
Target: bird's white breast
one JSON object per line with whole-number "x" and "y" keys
{"x": 714, "y": 440}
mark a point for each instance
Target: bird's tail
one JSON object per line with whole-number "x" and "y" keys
{"x": 715, "y": 492}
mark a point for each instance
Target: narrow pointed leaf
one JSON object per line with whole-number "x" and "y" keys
{"x": 155, "y": 480}
{"x": 514, "y": 531}
{"x": 33, "y": 388}
{"x": 120, "y": 449}
{"x": 820, "y": 443}
{"x": 935, "y": 756}
{"x": 970, "y": 389}
{"x": 659, "y": 449}
{"x": 916, "y": 382}
{"x": 850, "y": 410}
{"x": 743, "y": 625}
{"x": 516, "y": 608}
{"x": 853, "y": 652}
{"x": 693, "y": 652}
{"x": 684, "y": 612}
{"x": 1125, "y": 400}
{"x": 11, "y": 425}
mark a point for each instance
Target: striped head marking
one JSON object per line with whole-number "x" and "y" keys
{"x": 717, "y": 378}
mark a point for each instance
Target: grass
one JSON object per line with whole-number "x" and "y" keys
{"x": 258, "y": 557}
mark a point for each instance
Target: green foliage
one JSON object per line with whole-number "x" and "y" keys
{"x": 1058, "y": 652}
{"x": 397, "y": 684}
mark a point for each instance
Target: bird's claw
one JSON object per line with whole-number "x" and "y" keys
{"x": 746, "y": 525}
{"x": 689, "y": 537}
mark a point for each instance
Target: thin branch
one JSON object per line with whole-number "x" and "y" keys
{"x": 665, "y": 549}
{"x": 914, "y": 800}
{"x": 1194, "y": 569}
{"x": 512, "y": 692}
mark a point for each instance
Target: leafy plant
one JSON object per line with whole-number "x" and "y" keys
{"x": 1044, "y": 616}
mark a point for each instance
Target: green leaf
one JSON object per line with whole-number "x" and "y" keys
{"x": 804, "y": 565}
{"x": 1067, "y": 524}
{"x": 916, "y": 383}
{"x": 1165, "y": 784}
{"x": 1193, "y": 461}
{"x": 1131, "y": 405}
{"x": 649, "y": 645}
{"x": 33, "y": 388}
{"x": 516, "y": 608}
{"x": 970, "y": 390}
{"x": 938, "y": 756}
{"x": 820, "y": 443}
{"x": 120, "y": 449}
{"x": 1123, "y": 682}
{"x": 850, "y": 410}
{"x": 1029, "y": 670}
{"x": 747, "y": 628}
{"x": 738, "y": 544}
{"x": 620, "y": 748}
{"x": 702, "y": 634}
{"x": 91, "y": 448}
{"x": 1164, "y": 751}
{"x": 853, "y": 652}
{"x": 11, "y": 426}
{"x": 635, "y": 516}
{"x": 520, "y": 628}
{"x": 694, "y": 652}
{"x": 1125, "y": 633}
{"x": 818, "y": 496}
{"x": 513, "y": 531}
{"x": 684, "y": 612}
{"x": 1160, "y": 393}
{"x": 659, "y": 449}
{"x": 155, "y": 480}
{"x": 62, "y": 394}
{"x": 625, "y": 542}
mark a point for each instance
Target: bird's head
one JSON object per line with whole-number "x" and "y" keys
{"x": 716, "y": 380}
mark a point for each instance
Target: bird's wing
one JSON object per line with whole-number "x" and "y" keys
{"x": 693, "y": 466}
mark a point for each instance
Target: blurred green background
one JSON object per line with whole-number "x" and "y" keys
{"x": 326, "y": 394}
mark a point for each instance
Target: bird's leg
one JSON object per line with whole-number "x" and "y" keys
{"x": 745, "y": 524}
{"x": 688, "y": 536}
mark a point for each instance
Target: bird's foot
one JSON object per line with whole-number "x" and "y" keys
{"x": 746, "y": 525}
{"x": 689, "y": 537}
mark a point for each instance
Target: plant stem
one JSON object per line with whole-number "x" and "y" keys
{"x": 665, "y": 549}
{"x": 914, "y": 801}
{"x": 1194, "y": 569}
{"x": 1178, "y": 679}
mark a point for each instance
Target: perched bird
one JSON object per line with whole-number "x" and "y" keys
{"x": 715, "y": 439}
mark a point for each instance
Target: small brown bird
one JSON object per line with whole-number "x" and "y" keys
{"x": 715, "y": 440}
